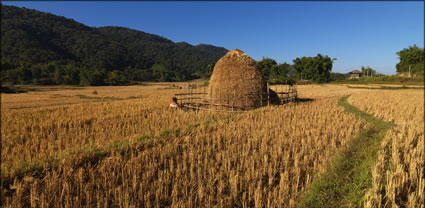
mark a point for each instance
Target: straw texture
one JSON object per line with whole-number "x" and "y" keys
{"x": 236, "y": 81}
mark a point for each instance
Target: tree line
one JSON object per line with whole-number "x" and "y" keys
{"x": 42, "y": 48}
{"x": 411, "y": 58}
{"x": 317, "y": 69}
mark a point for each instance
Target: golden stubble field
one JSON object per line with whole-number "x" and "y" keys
{"x": 123, "y": 147}
{"x": 398, "y": 176}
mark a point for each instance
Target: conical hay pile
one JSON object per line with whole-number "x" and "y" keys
{"x": 236, "y": 82}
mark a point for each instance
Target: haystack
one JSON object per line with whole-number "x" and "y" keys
{"x": 237, "y": 83}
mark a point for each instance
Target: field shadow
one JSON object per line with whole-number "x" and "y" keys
{"x": 14, "y": 89}
{"x": 304, "y": 100}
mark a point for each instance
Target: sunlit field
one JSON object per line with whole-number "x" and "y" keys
{"x": 398, "y": 177}
{"x": 123, "y": 146}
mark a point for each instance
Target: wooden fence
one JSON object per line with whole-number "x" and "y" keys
{"x": 196, "y": 97}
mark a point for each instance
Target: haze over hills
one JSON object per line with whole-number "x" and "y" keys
{"x": 43, "y": 48}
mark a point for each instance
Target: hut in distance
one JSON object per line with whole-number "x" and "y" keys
{"x": 355, "y": 74}
{"x": 237, "y": 83}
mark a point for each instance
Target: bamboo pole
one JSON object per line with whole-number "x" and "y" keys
{"x": 233, "y": 100}
{"x": 268, "y": 94}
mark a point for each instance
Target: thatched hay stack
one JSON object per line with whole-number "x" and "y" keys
{"x": 237, "y": 82}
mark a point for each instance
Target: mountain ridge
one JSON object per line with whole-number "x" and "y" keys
{"x": 43, "y": 48}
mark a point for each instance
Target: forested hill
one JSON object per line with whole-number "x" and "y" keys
{"x": 42, "y": 48}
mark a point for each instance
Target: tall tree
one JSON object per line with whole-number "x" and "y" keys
{"x": 412, "y": 57}
{"x": 317, "y": 68}
{"x": 266, "y": 66}
{"x": 273, "y": 71}
{"x": 367, "y": 71}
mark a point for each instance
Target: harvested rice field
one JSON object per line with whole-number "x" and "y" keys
{"x": 123, "y": 146}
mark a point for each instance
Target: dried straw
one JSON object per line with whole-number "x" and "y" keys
{"x": 236, "y": 81}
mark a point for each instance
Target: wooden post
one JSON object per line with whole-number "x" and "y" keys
{"x": 268, "y": 94}
{"x": 190, "y": 94}
{"x": 261, "y": 97}
{"x": 246, "y": 102}
{"x": 196, "y": 94}
{"x": 183, "y": 95}
{"x": 279, "y": 95}
{"x": 227, "y": 97}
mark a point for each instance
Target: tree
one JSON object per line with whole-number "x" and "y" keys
{"x": 209, "y": 69}
{"x": 161, "y": 73}
{"x": 266, "y": 66}
{"x": 367, "y": 71}
{"x": 24, "y": 74}
{"x": 116, "y": 77}
{"x": 98, "y": 77}
{"x": 36, "y": 74}
{"x": 85, "y": 78}
{"x": 412, "y": 57}
{"x": 338, "y": 76}
{"x": 273, "y": 71}
{"x": 280, "y": 73}
{"x": 71, "y": 74}
{"x": 316, "y": 68}
{"x": 283, "y": 69}
{"x": 58, "y": 75}
{"x": 89, "y": 77}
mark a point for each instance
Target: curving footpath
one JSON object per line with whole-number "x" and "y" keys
{"x": 349, "y": 176}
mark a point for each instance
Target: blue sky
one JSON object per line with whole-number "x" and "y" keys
{"x": 356, "y": 33}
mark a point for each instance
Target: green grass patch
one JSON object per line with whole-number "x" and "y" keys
{"x": 144, "y": 138}
{"x": 112, "y": 98}
{"x": 59, "y": 96}
{"x": 87, "y": 97}
{"x": 349, "y": 176}
{"x": 134, "y": 97}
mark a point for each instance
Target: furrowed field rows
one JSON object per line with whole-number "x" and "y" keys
{"x": 398, "y": 176}
{"x": 138, "y": 153}
{"x": 30, "y": 135}
{"x": 348, "y": 176}
{"x": 259, "y": 158}
{"x": 40, "y": 96}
